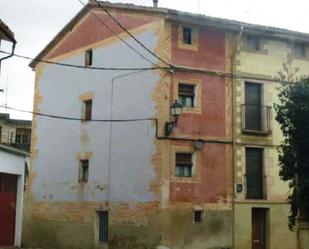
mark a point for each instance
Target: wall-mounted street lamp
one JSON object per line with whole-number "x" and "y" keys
{"x": 175, "y": 110}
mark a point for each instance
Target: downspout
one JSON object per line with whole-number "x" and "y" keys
{"x": 234, "y": 128}
{"x": 10, "y": 55}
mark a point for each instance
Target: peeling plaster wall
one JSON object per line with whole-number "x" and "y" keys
{"x": 60, "y": 141}
{"x": 139, "y": 183}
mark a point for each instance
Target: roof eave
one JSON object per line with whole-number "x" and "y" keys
{"x": 14, "y": 151}
{"x": 59, "y": 35}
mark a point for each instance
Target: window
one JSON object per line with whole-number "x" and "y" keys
{"x": 253, "y": 42}
{"x": 0, "y": 134}
{"x": 22, "y": 136}
{"x": 183, "y": 165}
{"x": 254, "y": 173}
{"x": 300, "y": 50}
{"x": 103, "y": 226}
{"x": 186, "y": 94}
{"x": 187, "y": 35}
{"x": 88, "y": 57}
{"x": 12, "y": 137}
{"x": 88, "y": 109}
{"x": 198, "y": 216}
{"x": 83, "y": 170}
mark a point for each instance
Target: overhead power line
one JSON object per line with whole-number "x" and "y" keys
{"x": 117, "y": 35}
{"x": 130, "y": 34}
{"x": 175, "y": 68}
{"x": 77, "y": 119}
{"x": 84, "y": 67}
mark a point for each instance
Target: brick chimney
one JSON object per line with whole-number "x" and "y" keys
{"x": 155, "y": 3}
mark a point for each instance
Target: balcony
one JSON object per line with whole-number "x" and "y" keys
{"x": 255, "y": 187}
{"x": 256, "y": 120}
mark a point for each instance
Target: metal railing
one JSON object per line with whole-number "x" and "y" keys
{"x": 256, "y": 119}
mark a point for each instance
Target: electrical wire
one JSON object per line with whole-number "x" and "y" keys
{"x": 175, "y": 68}
{"x": 113, "y": 32}
{"x": 77, "y": 119}
{"x": 84, "y": 67}
{"x": 130, "y": 34}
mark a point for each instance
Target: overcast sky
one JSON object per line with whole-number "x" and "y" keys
{"x": 36, "y": 22}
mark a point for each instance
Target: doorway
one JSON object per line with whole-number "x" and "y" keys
{"x": 259, "y": 228}
{"x": 8, "y": 196}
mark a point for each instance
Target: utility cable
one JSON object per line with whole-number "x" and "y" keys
{"x": 174, "y": 69}
{"x": 114, "y": 33}
{"x": 77, "y": 119}
{"x": 84, "y": 67}
{"x": 130, "y": 34}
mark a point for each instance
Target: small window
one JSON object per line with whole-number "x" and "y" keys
{"x": 186, "y": 95}
{"x": 12, "y": 138}
{"x": 83, "y": 170}
{"x": 253, "y": 42}
{"x": 183, "y": 165}
{"x": 300, "y": 50}
{"x": 198, "y": 216}
{"x": 88, "y": 57}
{"x": 103, "y": 226}
{"x": 88, "y": 109}
{"x": 187, "y": 35}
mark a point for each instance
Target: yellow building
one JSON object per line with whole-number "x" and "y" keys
{"x": 261, "y": 209}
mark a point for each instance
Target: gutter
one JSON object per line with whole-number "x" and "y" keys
{"x": 10, "y": 55}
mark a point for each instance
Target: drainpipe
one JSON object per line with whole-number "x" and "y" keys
{"x": 10, "y": 55}
{"x": 234, "y": 128}
{"x": 109, "y": 176}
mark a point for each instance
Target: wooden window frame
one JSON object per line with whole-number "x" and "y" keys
{"x": 194, "y": 46}
{"x": 83, "y": 175}
{"x": 196, "y": 160}
{"x": 197, "y": 108}
{"x": 89, "y": 57}
{"x": 87, "y": 109}
{"x": 263, "y": 176}
{"x": 184, "y": 164}
{"x": 186, "y": 93}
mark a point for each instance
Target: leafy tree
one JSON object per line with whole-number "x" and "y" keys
{"x": 292, "y": 113}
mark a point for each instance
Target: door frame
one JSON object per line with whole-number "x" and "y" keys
{"x": 14, "y": 163}
{"x": 266, "y": 211}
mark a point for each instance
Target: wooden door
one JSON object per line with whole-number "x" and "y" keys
{"x": 253, "y": 97}
{"x": 259, "y": 228}
{"x": 8, "y": 192}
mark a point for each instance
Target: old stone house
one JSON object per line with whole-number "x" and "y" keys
{"x": 116, "y": 169}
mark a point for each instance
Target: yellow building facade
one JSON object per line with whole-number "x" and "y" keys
{"x": 261, "y": 208}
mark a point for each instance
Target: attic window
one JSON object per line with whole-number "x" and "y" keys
{"x": 187, "y": 35}
{"x": 300, "y": 50}
{"x": 253, "y": 42}
{"x": 88, "y": 57}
